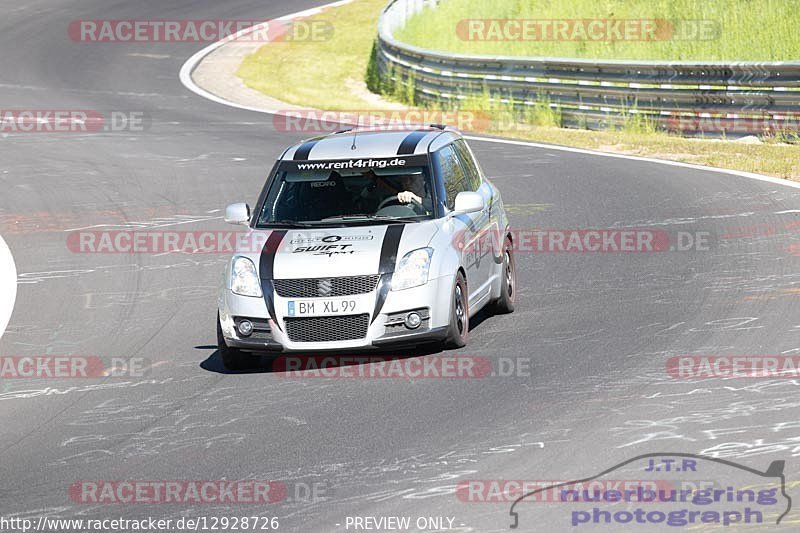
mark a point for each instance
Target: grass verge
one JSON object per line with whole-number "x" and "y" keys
{"x": 740, "y": 30}
{"x": 330, "y": 75}
{"x": 318, "y": 74}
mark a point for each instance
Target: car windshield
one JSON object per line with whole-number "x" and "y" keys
{"x": 348, "y": 192}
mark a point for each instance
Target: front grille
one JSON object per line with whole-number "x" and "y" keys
{"x": 327, "y": 328}
{"x": 325, "y": 287}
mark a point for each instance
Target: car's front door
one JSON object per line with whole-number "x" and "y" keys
{"x": 469, "y": 226}
{"x": 486, "y": 222}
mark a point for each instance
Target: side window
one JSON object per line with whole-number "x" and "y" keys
{"x": 452, "y": 174}
{"x": 473, "y": 174}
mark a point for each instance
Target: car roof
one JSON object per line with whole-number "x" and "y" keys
{"x": 369, "y": 143}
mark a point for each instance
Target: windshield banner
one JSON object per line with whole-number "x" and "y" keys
{"x": 356, "y": 164}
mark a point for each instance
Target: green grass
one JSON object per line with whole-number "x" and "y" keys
{"x": 748, "y": 30}
{"x": 315, "y": 75}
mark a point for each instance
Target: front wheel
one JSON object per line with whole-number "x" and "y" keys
{"x": 508, "y": 284}
{"x": 232, "y": 358}
{"x": 458, "y": 333}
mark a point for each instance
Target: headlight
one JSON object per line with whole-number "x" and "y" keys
{"x": 244, "y": 279}
{"x": 412, "y": 270}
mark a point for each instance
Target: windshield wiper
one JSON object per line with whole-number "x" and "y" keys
{"x": 415, "y": 218}
{"x": 286, "y": 224}
{"x": 357, "y": 217}
{"x": 347, "y": 218}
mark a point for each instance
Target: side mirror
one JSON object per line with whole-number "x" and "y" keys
{"x": 469, "y": 202}
{"x": 237, "y": 214}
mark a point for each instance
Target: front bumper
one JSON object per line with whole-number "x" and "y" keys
{"x": 434, "y": 297}
{"x": 413, "y": 338}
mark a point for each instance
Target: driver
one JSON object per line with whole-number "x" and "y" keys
{"x": 414, "y": 187}
{"x": 411, "y": 188}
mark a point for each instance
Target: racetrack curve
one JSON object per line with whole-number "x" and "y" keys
{"x": 598, "y": 328}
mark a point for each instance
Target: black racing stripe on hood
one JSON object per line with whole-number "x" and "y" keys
{"x": 409, "y": 144}
{"x": 267, "y": 261}
{"x": 389, "y": 248}
{"x": 302, "y": 153}
{"x": 391, "y": 243}
{"x": 267, "y": 270}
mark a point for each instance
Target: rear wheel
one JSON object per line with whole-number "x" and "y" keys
{"x": 458, "y": 334}
{"x": 232, "y": 358}
{"x": 508, "y": 284}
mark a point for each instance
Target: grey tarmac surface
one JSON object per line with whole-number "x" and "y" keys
{"x": 597, "y": 328}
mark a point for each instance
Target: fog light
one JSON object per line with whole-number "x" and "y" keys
{"x": 413, "y": 320}
{"x": 245, "y": 328}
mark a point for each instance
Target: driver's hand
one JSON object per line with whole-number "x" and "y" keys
{"x": 406, "y": 197}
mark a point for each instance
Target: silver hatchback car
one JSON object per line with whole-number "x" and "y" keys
{"x": 366, "y": 239}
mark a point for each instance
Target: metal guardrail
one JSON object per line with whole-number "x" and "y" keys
{"x": 735, "y": 99}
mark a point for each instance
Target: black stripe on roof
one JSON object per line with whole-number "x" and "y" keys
{"x": 302, "y": 153}
{"x": 409, "y": 144}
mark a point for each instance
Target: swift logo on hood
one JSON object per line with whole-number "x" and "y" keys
{"x": 326, "y": 249}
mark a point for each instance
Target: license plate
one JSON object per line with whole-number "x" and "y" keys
{"x": 321, "y": 307}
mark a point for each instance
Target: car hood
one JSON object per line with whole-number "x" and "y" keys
{"x": 333, "y": 252}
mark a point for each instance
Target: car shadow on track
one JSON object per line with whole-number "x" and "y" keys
{"x": 276, "y": 363}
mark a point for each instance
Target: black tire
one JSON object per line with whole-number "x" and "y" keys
{"x": 508, "y": 286}
{"x": 232, "y": 358}
{"x": 458, "y": 334}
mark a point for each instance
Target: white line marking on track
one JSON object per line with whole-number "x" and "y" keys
{"x": 8, "y": 285}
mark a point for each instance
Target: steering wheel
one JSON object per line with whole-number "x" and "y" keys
{"x": 395, "y": 200}
{"x": 390, "y": 200}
